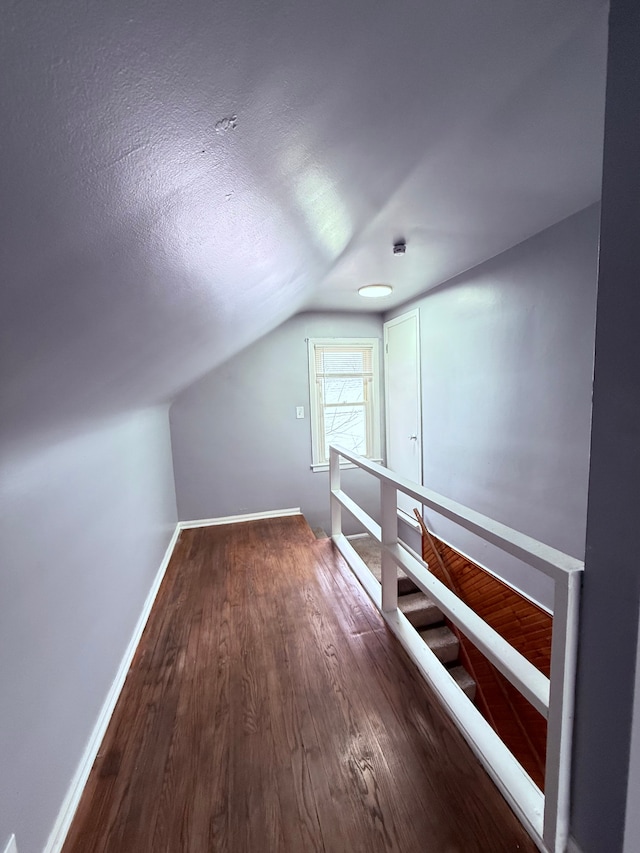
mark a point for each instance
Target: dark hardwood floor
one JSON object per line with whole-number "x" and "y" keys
{"x": 269, "y": 709}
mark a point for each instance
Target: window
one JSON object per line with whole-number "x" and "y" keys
{"x": 343, "y": 384}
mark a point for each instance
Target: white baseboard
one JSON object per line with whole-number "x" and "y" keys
{"x": 234, "y": 519}
{"x": 74, "y": 793}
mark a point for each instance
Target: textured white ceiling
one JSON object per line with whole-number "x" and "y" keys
{"x": 178, "y": 178}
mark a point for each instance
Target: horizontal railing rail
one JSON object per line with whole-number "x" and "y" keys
{"x": 533, "y": 684}
{"x": 545, "y": 815}
{"x": 543, "y": 557}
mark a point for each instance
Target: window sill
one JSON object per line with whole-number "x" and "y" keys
{"x": 324, "y": 466}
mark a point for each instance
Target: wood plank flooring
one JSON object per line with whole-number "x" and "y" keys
{"x": 269, "y": 709}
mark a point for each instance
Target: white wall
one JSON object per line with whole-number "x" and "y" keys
{"x": 507, "y": 361}
{"x": 85, "y": 521}
{"x": 606, "y": 748}
{"x": 632, "y": 823}
{"x": 237, "y": 445}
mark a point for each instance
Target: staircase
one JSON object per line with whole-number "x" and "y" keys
{"x": 524, "y": 625}
{"x": 425, "y": 616}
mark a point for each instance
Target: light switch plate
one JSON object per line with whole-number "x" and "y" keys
{"x": 299, "y": 412}
{"x": 11, "y": 845}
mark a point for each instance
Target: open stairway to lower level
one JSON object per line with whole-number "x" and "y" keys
{"x": 425, "y": 616}
{"x": 515, "y": 617}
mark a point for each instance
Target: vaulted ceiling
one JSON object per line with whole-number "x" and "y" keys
{"x": 177, "y": 178}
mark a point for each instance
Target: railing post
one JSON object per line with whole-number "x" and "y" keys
{"x": 334, "y": 486}
{"x": 564, "y": 647}
{"x": 389, "y": 524}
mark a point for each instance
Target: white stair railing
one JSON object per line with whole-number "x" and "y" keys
{"x": 545, "y": 816}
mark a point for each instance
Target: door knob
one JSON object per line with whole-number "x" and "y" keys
{"x": 413, "y": 437}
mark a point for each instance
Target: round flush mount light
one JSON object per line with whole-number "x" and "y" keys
{"x": 375, "y": 291}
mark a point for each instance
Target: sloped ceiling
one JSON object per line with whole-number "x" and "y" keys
{"x": 177, "y": 178}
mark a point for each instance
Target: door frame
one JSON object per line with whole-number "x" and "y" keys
{"x": 414, "y": 312}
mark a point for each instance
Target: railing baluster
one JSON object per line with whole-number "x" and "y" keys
{"x": 334, "y": 486}
{"x": 389, "y": 519}
{"x": 564, "y": 648}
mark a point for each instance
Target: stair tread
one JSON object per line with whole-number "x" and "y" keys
{"x": 464, "y": 681}
{"x": 376, "y": 571}
{"x": 414, "y": 599}
{"x": 419, "y": 609}
{"x": 405, "y": 584}
{"x": 442, "y": 642}
{"x": 369, "y": 551}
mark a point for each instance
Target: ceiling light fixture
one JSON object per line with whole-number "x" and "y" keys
{"x": 375, "y": 291}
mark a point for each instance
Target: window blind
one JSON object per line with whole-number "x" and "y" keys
{"x": 343, "y": 381}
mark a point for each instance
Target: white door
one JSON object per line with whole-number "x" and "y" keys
{"x": 403, "y": 401}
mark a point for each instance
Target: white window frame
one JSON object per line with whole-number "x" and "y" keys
{"x": 315, "y": 405}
